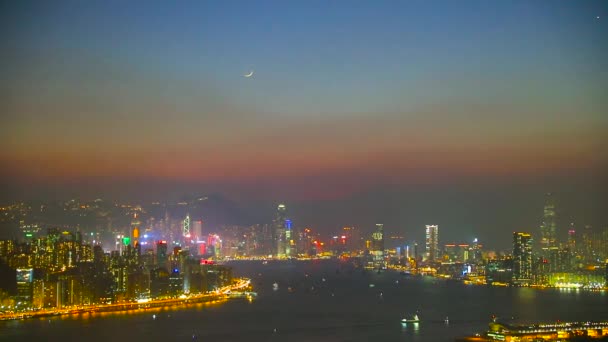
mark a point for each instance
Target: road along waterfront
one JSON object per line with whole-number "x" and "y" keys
{"x": 241, "y": 287}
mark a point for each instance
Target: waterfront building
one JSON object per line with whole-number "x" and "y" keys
{"x": 159, "y": 282}
{"x": 522, "y": 258}
{"x": 499, "y": 271}
{"x": 377, "y": 247}
{"x": 432, "y": 243}
{"x": 25, "y": 278}
{"x": 560, "y": 331}
{"x": 279, "y": 237}
{"x": 456, "y": 252}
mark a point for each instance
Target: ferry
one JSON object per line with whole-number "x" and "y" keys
{"x": 414, "y": 319}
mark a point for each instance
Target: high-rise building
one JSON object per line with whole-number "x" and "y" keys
{"x": 522, "y": 258}
{"x": 280, "y": 230}
{"x": 290, "y": 245}
{"x": 135, "y": 223}
{"x": 186, "y": 227}
{"x": 572, "y": 245}
{"x": 377, "y": 247}
{"x": 378, "y": 238}
{"x": 197, "y": 229}
{"x": 25, "y": 284}
{"x": 161, "y": 253}
{"x": 547, "y": 228}
{"x": 432, "y": 242}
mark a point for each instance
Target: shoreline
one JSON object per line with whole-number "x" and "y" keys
{"x": 222, "y": 294}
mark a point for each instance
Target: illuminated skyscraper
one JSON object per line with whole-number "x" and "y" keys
{"x": 377, "y": 247}
{"x": 547, "y": 228}
{"x": 432, "y": 242}
{"x": 135, "y": 229}
{"x": 186, "y": 227}
{"x": 378, "y": 238}
{"x": 290, "y": 247}
{"x": 522, "y": 258}
{"x": 280, "y": 230}
{"x": 25, "y": 284}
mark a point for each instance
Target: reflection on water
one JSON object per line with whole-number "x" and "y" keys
{"x": 413, "y": 327}
{"x": 323, "y": 301}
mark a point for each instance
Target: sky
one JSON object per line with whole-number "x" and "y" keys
{"x": 350, "y": 101}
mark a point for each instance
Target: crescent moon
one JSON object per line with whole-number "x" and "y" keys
{"x": 249, "y": 74}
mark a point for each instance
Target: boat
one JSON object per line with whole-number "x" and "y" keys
{"x": 414, "y": 319}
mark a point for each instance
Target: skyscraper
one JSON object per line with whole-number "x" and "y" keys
{"x": 522, "y": 258}
{"x": 197, "y": 230}
{"x": 279, "y": 230}
{"x": 161, "y": 253}
{"x": 135, "y": 229}
{"x": 432, "y": 242}
{"x": 186, "y": 227}
{"x": 377, "y": 247}
{"x": 547, "y": 228}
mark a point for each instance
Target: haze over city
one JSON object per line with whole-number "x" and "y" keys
{"x": 407, "y": 113}
{"x": 315, "y": 170}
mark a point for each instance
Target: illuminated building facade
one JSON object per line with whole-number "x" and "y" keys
{"x": 377, "y": 247}
{"x": 522, "y": 258}
{"x": 186, "y": 227}
{"x": 279, "y": 237}
{"x": 432, "y": 243}
{"x": 548, "y": 226}
{"x": 135, "y": 224}
{"x": 290, "y": 244}
{"x": 25, "y": 278}
{"x": 456, "y": 252}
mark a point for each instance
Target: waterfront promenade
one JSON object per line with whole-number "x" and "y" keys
{"x": 222, "y": 293}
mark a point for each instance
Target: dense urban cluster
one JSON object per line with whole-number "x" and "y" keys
{"x": 81, "y": 253}
{"x": 579, "y": 262}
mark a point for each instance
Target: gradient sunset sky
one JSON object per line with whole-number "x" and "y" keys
{"x": 123, "y": 98}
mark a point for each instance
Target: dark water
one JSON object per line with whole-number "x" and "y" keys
{"x": 342, "y": 308}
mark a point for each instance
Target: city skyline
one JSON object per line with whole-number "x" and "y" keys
{"x": 270, "y": 170}
{"x": 411, "y": 115}
{"x": 26, "y": 217}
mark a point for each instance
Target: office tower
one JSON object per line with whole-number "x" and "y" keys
{"x": 572, "y": 238}
{"x": 186, "y": 227}
{"x": 432, "y": 242}
{"x": 161, "y": 253}
{"x": 547, "y": 228}
{"x": 135, "y": 229}
{"x": 279, "y": 230}
{"x": 290, "y": 247}
{"x": 197, "y": 229}
{"x": 587, "y": 245}
{"x": 522, "y": 258}
{"x": 377, "y": 247}
{"x": 25, "y": 278}
{"x": 378, "y": 238}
